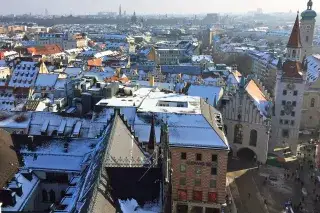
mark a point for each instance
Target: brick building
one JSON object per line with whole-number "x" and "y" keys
{"x": 199, "y": 170}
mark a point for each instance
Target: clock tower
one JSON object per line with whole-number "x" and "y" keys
{"x": 290, "y": 85}
{"x": 307, "y": 22}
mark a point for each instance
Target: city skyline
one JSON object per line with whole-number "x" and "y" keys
{"x": 60, "y": 7}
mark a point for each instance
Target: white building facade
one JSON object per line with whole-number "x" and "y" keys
{"x": 289, "y": 90}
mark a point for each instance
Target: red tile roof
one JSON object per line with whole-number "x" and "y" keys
{"x": 294, "y": 40}
{"x": 45, "y": 50}
{"x": 292, "y": 69}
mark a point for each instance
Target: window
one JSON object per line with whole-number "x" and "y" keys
{"x": 283, "y": 103}
{"x": 214, "y": 158}
{"x": 198, "y": 157}
{"x": 294, "y": 103}
{"x": 44, "y": 195}
{"x": 182, "y": 194}
{"x": 282, "y": 112}
{"x": 295, "y": 93}
{"x": 310, "y": 117}
{"x": 197, "y": 195}
{"x": 292, "y": 122}
{"x": 197, "y": 182}
{"x": 284, "y": 92}
{"x": 182, "y": 168}
{"x": 183, "y": 156}
{"x": 213, "y": 171}
{"x": 286, "y": 121}
{"x": 293, "y": 113}
{"x": 294, "y": 53}
{"x": 312, "y": 102}
{"x": 212, "y": 197}
{"x": 285, "y": 133}
{"x": 182, "y": 181}
{"x": 307, "y": 38}
{"x": 253, "y": 137}
{"x": 52, "y": 196}
{"x": 198, "y": 170}
{"x": 213, "y": 183}
{"x": 238, "y": 134}
{"x": 281, "y": 121}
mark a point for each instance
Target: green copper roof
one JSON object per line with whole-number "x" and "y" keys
{"x": 308, "y": 14}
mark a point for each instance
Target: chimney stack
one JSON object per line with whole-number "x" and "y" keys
{"x": 151, "y": 81}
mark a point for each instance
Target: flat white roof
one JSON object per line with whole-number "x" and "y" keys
{"x": 151, "y": 103}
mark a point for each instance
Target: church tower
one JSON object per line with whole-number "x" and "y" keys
{"x": 289, "y": 91}
{"x": 308, "y": 21}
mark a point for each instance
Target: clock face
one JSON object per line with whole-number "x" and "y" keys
{"x": 288, "y": 107}
{"x": 291, "y": 86}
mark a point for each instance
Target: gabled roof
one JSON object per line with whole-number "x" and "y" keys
{"x": 45, "y": 50}
{"x": 294, "y": 40}
{"x": 259, "y": 98}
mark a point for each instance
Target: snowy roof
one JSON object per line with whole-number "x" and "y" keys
{"x": 210, "y": 92}
{"x": 187, "y": 130}
{"x": 46, "y": 80}
{"x": 100, "y": 76}
{"x": 153, "y": 103}
{"x": 73, "y": 71}
{"x": 88, "y": 128}
{"x": 160, "y": 85}
{"x": 129, "y": 101}
{"x": 51, "y": 162}
{"x": 313, "y": 68}
{"x": 12, "y": 123}
{"x": 24, "y": 75}
{"x": 199, "y": 58}
{"x": 28, "y": 189}
{"x": 60, "y": 84}
{"x": 258, "y": 97}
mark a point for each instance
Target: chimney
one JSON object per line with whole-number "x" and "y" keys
{"x": 152, "y": 138}
{"x": 151, "y": 81}
{"x": 8, "y": 197}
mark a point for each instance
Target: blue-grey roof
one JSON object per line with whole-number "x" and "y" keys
{"x": 308, "y": 14}
{"x": 183, "y": 69}
{"x": 210, "y": 92}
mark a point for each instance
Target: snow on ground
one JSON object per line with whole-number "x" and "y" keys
{"x": 131, "y": 206}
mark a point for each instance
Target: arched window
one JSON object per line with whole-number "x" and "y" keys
{"x": 44, "y": 195}
{"x": 312, "y": 102}
{"x": 307, "y": 38}
{"x": 294, "y": 53}
{"x": 52, "y": 196}
{"x": 238, "y": 134}
{"x": 253, "y": 137}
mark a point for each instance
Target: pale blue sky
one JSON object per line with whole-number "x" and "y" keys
{"x": 150, "y": 6}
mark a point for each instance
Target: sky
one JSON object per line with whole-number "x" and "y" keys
{"x": 63, "y": 7}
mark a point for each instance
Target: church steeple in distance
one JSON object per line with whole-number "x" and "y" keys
{"x": 294, "y": 40}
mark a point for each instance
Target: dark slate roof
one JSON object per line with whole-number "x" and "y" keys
{"x": 183, "y": 69}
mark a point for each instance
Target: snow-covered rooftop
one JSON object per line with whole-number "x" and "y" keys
{"x": 28, "y": 187}
{"x": 46, "y": 80}
{"x": 170, "y": 103}
{"x": 210, "y": 92}
{"x": 128, "y": 101}
{"x": 258, "y": 97}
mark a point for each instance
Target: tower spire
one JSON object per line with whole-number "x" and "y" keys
{"x": 294, "y": 40}
{"x": 152, "y": 137}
